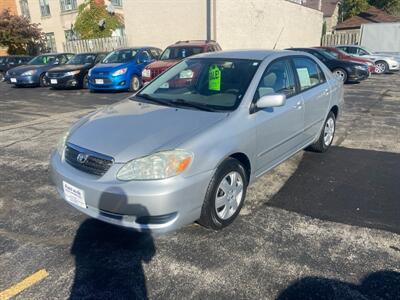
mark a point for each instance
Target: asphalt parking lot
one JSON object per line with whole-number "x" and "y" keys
{"x": 320, "y": 226}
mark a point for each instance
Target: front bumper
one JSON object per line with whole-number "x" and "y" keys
{"x": 358, "y": 75}
{"x": 24, "y": 80}
{"x": 121, "y": 82}
{"x": 71, "y": 81}
{"x": 154, "y": 206}
{"x": 394, "y": 66}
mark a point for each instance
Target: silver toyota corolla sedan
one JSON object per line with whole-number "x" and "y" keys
{"x": 186, "y": 146}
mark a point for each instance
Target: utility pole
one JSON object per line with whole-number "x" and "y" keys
{"x": 208, "y": 20}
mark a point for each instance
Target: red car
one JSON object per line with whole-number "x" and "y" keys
{"x": 339, "y": 54}
{"x": 176, "y": 52}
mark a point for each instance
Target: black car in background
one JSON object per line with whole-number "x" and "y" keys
{"x": 33, "y": 73}
{"x": 12, "y": 61}
{"x": 343, "y": 70}
{"x": 74, "y": 74}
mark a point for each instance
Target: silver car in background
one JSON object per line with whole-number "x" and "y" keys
{"x": 186, "y": 147}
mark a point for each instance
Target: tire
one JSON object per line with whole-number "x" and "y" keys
{"x": 42, "y": 81}
{"x": 134, "y": 84}
{"x": 85, "y": 82}
{"x": 340, "y": 74}
{"x": 381, "y": 67}
{"x": 324, "y": 142}
{"x": 1, "y": 76}
{"x": 217, "y": 216}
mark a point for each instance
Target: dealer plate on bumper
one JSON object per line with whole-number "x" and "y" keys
{"x": 99, "y": 81}
{"x": 74, "y": 195}
{"x": 13, "y": 80}
{"x": 53, "y": 81}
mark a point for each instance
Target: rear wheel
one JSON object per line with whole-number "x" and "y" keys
{"x": 42, "y": 81}
{"x": 340, "y": 74}
{"x": 225, "y": 195}
{"x": 381, "y": 67}
{"x": 134, "y": 84}
{"x": 327, "y": 134}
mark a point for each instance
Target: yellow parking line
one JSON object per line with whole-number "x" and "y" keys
{"x": 24, "y": 284}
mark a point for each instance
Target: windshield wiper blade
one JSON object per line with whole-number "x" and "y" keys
{"x": 199, "y": 106}
{"x": 153, "y": 99}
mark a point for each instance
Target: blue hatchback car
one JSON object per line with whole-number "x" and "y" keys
{"x": 122, "y": 69}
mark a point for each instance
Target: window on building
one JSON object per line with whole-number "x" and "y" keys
{"x": 67, "y": 5}
{"x": 51, "y": 42}
{"x": 116, "y": 2}
{"x": 24, "y": 8}
{"x": 44, "y": 8}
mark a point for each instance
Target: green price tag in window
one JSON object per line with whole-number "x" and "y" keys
{"x": 214, "y": 78}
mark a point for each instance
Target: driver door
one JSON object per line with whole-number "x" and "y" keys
{"x": 279, "y": 129}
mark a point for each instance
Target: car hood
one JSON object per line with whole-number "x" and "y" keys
{"x": 109, "y": 67}
{"x": 68, "y": 68}
{"x": 21, "y": 69}
{"x": 162, "y": 64}
{"x": 130, "y": 129}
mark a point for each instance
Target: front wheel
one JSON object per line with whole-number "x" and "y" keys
{"x": 225, "y": 195}
{"x": 85, "y": 82}
{"x": 134, "y": 84}
{"x": 327, "y": 134}
{"x": 1, "y": 76}
{"x": 340, "y": 74}
{"x": 42, "y": 80}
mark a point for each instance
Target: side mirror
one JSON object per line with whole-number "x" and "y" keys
{"x": 273, "y": 100}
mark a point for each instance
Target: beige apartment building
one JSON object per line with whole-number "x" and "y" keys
{"x": 233, "y": 23}
{"x": 56, "y": 18}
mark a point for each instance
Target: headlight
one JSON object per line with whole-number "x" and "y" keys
{"x": 29, "y": 73}
{"x": 146, "y": 73}
{"x": 120, "y": 72}
{"x": 61, "y": 143}
{"x": 71, "y": 73}
{"x": 363, "y": 68}
{"x": 159, "y": 165}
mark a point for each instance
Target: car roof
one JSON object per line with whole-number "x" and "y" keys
{"x": 54, "y": 53}
{"x": 254, "y": 54}
{"x": 193, "y": 43}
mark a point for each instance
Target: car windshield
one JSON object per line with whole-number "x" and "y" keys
{"x": 120, "y": 56}
{"x": 43, "y": 60}
{"x": 2, "y": 60}
{"x": 202, "y": 83}
{"x": 82, "y": 59}
{"x": 326, "y": 54}
{"x": 180, "y": 52}
{"x": 332, "y": 53}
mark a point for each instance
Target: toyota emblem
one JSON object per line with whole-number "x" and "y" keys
{"x": 82, "y": 158}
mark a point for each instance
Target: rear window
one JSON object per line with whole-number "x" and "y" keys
{"x": 180, "y": 52}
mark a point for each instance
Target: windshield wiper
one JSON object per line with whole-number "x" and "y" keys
{"x": 182, "y": 102}
{"x": 153, "y": 99}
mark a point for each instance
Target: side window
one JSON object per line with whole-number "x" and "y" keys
{"x": 308, "y": 72}
{"x": 351, "y": 50}
{"x": 154, "y": 53}
{"x": 278, "y": 78}
{"x": 144, "y": 56}
{"x": 362, "y": 52}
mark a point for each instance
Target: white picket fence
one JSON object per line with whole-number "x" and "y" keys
{"x": 340, "y": 39}
{"x": 95, "y": 45}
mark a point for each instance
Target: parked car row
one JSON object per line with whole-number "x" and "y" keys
{"x": 131, "y": 68}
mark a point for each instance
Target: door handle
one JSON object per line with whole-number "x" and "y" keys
{"x": 298, "y": 105}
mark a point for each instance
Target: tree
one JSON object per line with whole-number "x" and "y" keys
{"x": 19, "y": 35}
{"x": 390, "y": 6}
{"x": 90, "y": 13}
{"x": 354, "y": 7}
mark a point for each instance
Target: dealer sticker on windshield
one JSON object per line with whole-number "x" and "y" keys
{"x": 74, "y": 195}
{"x": 214, "y": 78}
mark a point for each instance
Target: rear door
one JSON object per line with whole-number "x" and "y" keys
{"x": 279, "y": 129}
{"x": 315, "y": 92}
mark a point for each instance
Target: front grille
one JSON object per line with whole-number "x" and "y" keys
{"x": 100, "y": 73}
{"x": 156, "y": 72}
{"x": 55, "y": 74}
{"x": 95, "y": 163}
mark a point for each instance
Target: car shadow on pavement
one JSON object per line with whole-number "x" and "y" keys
{"x": 383, "y": 285}
{"x": 350, "y": 186}
{"x": 109, "y": 259}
